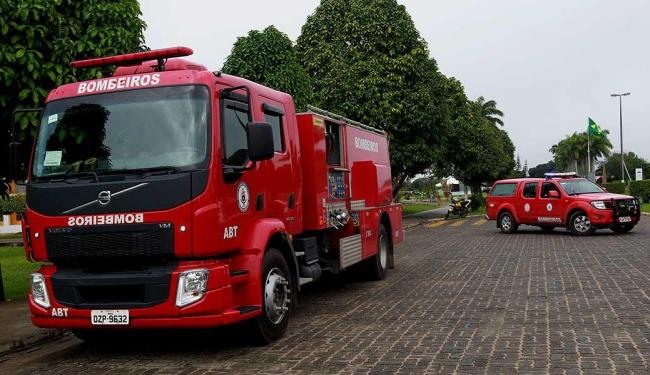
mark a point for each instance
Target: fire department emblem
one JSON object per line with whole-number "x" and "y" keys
{"x": 243, "y": 197}
{"x": 549, "y": 207}
{"x": 527, "y": 207}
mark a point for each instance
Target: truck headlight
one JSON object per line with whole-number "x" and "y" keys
{"x": 191, "y": 286}
{"x": 39, "y": 290}
{"x": 599, "y": 205}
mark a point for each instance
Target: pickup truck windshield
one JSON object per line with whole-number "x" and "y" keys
{"x": 121, "y": 131}
{"x": 579, "y": 186}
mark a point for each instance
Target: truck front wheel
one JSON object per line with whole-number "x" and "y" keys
{"x": 580, "y": 224}
{"x": 276, "y": 301}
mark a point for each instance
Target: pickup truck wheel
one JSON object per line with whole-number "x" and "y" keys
{"x": 580, "y": 224}
{"x": 507, "y": 223}
{"x": 547, "y": 229}
{"x": 378, "y": 263}
{"x": 276, "y": 302}
{"x": 621, "y": 228}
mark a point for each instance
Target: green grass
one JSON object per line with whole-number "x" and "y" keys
{"x": 413, "y": 208}
{"x": 645, "y": 207}
{"x": 15, "y": 272}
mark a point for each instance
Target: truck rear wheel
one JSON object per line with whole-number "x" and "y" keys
{"x": 580, "y": 224}
{"x": 276, "y": 301}
{"x": 507, "y": 223}
{"x": 378, "y": 263}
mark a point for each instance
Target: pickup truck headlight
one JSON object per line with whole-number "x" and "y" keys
{"x": 599, "y": 205}
{"x": 191, "y": 286}
{"x": 39, "y": 290}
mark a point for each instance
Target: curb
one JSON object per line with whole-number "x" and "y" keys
{"x": 25, "y": 343}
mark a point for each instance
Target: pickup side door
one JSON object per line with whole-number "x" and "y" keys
{"x": 526, "y": 197}
{"x": 547, "y": 210}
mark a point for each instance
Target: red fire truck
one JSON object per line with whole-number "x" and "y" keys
{"x": 170, "y": 196}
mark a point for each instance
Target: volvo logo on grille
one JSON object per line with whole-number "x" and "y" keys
{"x": 104, "y": 197}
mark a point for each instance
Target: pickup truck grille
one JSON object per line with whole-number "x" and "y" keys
{"x": 84, "y": 244}
{"x": 624, "y": 207}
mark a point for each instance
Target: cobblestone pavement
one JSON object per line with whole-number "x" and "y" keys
{"x": 463, "y": 298}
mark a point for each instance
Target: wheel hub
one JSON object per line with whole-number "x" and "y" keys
{"x": 276, "y": 296}
{"x": 506, "y": 223}
{"x": 582, "y": 223}
{"x": 383, "y": 251}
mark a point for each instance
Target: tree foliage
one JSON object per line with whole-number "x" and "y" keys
{"x": 368, "y": 62}
{"x": 476, "y": 150}
{"x": 41, "y": 37}
{"x": 268, "y": 57}
{"x": 539, "y": 170}
{"x": 570, "y": 154}
{"x": 490, "y": 111}
{"x": 632, "y": 161}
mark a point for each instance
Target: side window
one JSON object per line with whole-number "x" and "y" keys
{"x": 233, "y": 128}
{"x": 530, "y": 190}
{"x": 503, "y": 190}
{"x": 546, "y": 187}
{"x": 274, "y": 116}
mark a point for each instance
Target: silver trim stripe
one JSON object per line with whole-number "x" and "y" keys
{"x": 112, "y": 195}
{"x": 358, "y": 205}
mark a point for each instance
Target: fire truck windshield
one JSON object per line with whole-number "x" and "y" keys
{"x": 122, "y": 131}
{"x": 577, "y": 186}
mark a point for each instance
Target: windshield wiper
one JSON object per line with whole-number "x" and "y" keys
{"x": 146, "y": 172}
{"x": 68, "y": 177}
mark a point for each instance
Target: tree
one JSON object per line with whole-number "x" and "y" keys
{"x": 570, "y": 154}
{"x": 478, "y": 151}
{"x": 368, "y": 62}
{"x": 268, "y": 57}
{"x": 632, "y": 161}
{"x": 43, "y": 36}
{"x": 489, "y": 111}
{"x": 539, "y": 170}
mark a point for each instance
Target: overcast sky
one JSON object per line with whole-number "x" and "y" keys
{"x": 548, "y": 64}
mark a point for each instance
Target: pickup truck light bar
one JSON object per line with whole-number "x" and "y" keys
{"x": 561, "y": 175}
{"x": 135, "y": 58}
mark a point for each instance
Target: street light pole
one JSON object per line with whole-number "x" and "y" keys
{"x": 620, "y": 116}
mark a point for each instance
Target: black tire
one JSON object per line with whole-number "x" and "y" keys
{"x": 277, "y": 285}
{"x": 507, "y": 223}
{"x": 447, "y": 216}
{"x": 547, "y": 229}
{"x": 378, "y": 263}
{"x": 621, "y": 228}
{"x": 463, "y": 213}
{"x": 580, "y": 224}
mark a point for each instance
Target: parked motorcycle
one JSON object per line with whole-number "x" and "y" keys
{"x": 458, "y": 207}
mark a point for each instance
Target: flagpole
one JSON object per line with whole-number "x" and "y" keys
{"x": 588, "y": 154}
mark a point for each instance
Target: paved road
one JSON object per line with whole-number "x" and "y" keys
{"x": 463, "y": 299}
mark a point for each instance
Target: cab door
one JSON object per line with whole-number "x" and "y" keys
{"x": 547, "y": 209}
{"x": 526, "y": 202}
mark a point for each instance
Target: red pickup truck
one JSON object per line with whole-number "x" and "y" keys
{"x": 560, "y": 200}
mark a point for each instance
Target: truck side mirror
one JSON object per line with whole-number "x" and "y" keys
{"x": 15, "y": 172}
{"x": 553, "y": 194}
{"x": 260, "y": 141}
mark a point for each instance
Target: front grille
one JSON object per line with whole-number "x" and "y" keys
{"x": 626, "y": 207}
{"x": 90, "y": 288}
{"x": 82, "y": 244}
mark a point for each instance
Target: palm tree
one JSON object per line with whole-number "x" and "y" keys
{"x": 490, "y": 111}
{"x": 570, "y": 154}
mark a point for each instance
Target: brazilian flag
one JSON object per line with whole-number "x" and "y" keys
{"x": 593, "y": 128}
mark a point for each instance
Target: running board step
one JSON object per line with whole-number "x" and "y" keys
{"x": 238, "y": 276}
{"x": 247, "y": 309}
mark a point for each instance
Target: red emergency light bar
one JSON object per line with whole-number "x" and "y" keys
{"x": 134, "y": 58}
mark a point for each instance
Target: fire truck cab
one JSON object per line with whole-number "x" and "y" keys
{"x": 169, "y": 196}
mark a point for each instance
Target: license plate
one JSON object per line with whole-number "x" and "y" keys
{"x": 109, "y": 317}
{"x": 624, "y": 219}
